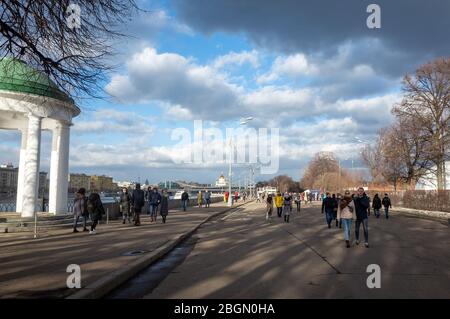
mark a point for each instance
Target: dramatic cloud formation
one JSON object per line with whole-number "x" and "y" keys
{"x": 411, "y": 30}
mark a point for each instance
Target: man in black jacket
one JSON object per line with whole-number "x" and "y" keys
{"x": 184, "y": 200}
{"x": 387, "y": 204}
{"x": 137, "y": 202}
{"x": 328, "y": 205}
{"x": 361, "y": 205}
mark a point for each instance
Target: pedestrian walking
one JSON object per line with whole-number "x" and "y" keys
{"x": 335, "y": 208}
{"x": 269, "y": 207}
{"x": 328, "y": 205}
{"x": 338, "y": 202}
{"x": 207, "y": 198}
{"x": 279, "y": 204}
{"x": 298, "y": 202}
{"x": 386, "y": 204}
{"x": 200, "y": 199}
{"x": 125, "y": 205}
{"x": 376, "y": 205}
{"x": 236, "y": 196}
{"x": 80, "y": 209}
{"x": 137, "y": 202}
{"x": 154, "y": 201}
{"x": 258, "y": 197}
{"x": 346, "y": 212}
{"x": 164, "y": 210}
{"x": 148, "y": 193}
{"x": 361, "y": 204}
{"x": 287, "y": 206}
{"x": 184, "y": 200}
{"x": 95, "y": 209}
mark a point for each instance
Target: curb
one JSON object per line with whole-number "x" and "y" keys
{"x": 107, "y": 283}
{"x": 431, "y": 215}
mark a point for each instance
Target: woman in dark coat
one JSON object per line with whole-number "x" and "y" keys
{"x": 164, "y": 210}
{"x": 80, "y": 209}
{"x": 95, "y": 209}
{"x": 376, "y": 205}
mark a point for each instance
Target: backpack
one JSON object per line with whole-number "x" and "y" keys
{"x": 91, "y": 205}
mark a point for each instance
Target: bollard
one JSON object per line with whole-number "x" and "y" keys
{"x": 107, "y": 216}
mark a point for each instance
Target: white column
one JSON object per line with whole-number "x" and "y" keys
{"x": 31, "y": 166}
{"x": 21, "y": 173}
{"x": 59, "y": 169}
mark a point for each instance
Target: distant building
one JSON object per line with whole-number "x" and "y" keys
{"x": 9, "y": 176}
{"x": 102, "y": 183}
{"x": 77, "y": 181}
{"x": 221, "y": 181}
{"x": 126, "y": 184}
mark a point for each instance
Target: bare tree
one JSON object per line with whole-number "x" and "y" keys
{"x": 399, "y": 155}
{"x": 44, "y": 34}
{"x": 323, "y": 171}
{"x": 427, "y": 105}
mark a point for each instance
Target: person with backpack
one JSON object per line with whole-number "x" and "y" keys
{"x": 269, "y": 207}
{"x": 346, "y": 213}
{"x": 164, "y": 210}
{"x": 361, "y": 205}
{"x": 137, "y": 202}
{"x": 184, "y": 200}
{"x": 387, "y": 204}
{"x": 80, "y": 209}
{"x": 125, "y": 205}
{"x": 287, "y": 206}
{"x": 154, "y": 201}
{"x": 376, "y": 205}
{"x": 279, "y": 204}
{"x": 96, "y": 210}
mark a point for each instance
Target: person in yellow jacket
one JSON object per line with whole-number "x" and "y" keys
{"x": 279, "y": 204}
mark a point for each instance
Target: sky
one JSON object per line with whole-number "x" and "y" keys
{"x": 312, "y": 70}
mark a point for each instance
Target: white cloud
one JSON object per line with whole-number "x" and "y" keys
{"x": 107, "y": 121}
{"x": 237, "y": 59}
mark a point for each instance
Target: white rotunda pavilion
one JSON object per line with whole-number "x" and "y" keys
{"x": 31, "y": 102}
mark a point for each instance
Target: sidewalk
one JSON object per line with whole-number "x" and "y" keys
{"x": 36, "y": 268}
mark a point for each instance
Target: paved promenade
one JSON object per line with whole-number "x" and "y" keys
{"x": 242, "y": 256}
{"x": 35, "y": 268}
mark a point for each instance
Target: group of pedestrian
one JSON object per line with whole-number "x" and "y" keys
{"x": 203, "y": 199}
{"x": 130, "y": 205}
{"x": 356, "y": 207}
{"x": 283, "y": 204}
{"x": 87, "y": 207}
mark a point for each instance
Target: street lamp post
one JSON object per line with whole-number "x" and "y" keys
{"x": 230, "y": 200}
{"x": 243, "y": 121}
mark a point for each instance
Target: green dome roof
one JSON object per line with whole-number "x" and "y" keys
{"x": 17, "y": 76}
